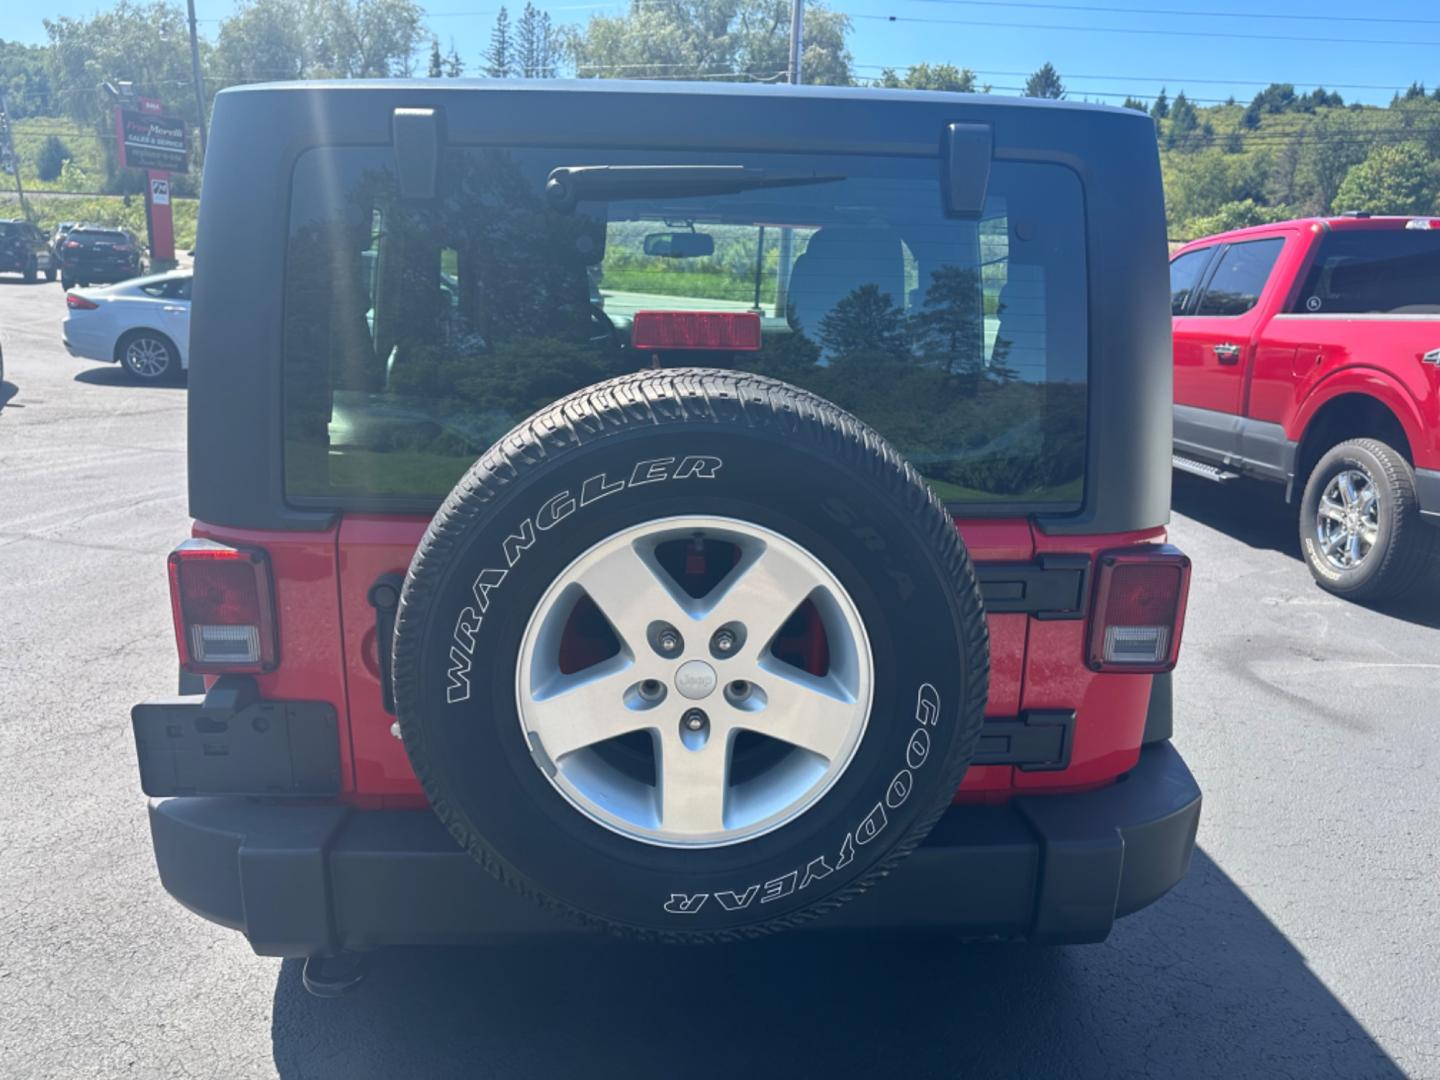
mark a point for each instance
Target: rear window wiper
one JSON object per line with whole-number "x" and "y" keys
{"x": 570, "y": 184}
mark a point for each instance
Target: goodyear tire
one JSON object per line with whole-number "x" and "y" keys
{"x": 702, "y": 758}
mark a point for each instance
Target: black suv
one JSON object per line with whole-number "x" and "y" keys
{"x": 672, "y": 510}
{"x": 24, "y": 250}
{"x": 95, "y": 253}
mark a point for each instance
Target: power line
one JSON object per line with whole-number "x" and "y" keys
{"x": 1138, "y": 30}
{"x": 1187, "y": 13}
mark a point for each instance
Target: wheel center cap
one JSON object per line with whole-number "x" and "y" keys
{"x": 695, "y": 679}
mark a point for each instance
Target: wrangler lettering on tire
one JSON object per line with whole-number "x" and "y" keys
{"x": 691, "y": 655}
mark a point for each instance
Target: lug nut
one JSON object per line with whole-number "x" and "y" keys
{"x": 723, "y": 641}
{"x": 694, "y": 720}
{"x": 668, "y": 642}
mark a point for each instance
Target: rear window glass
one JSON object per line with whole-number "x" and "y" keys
{"x": 1240, "y": 277}
{"x": 418, "y": 332}
{"x": 1374, "y": 271}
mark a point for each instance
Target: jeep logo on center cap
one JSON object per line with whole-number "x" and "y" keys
{"x": 695, "y": 679}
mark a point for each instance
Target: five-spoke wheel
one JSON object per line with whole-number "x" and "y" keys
{"x": 681, "y": 723}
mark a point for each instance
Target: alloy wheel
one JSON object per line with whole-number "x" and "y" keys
{"x": 691, "y": 719}
{"x": 1347, "y": 519}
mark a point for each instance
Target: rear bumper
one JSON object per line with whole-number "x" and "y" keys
{"x": 304, "y": 880}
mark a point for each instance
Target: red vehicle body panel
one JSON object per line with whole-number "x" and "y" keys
{"x": 1293, "y": 364}
{"x": 322, "y": 580}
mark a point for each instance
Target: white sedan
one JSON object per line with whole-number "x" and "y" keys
{"x": 142, "y": 324}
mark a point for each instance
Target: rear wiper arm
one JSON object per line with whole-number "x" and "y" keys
{"x": 576, "y": 183}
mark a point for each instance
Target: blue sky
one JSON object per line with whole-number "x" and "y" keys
{"x": 1103, "y": 49}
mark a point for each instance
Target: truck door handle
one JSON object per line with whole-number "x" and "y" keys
{"x": 1227, "y": 354}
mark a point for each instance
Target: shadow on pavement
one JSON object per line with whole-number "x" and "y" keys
{"x": 1256, "y": 515}
{"x": 7, "y": 391}
{"x": 115, "y": 375}
{"x": 1201, "y": 984}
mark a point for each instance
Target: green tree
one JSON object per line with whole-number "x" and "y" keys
{"x": 1184, "y": 120}
{"x": 716, "y": 39}
{"x": 535, "y": 44}
{"x": 453, "y": 65}
{"x": 348, "y": 39}
{"x": 362, "y": 39}
{"x": 1236, "y": 215}
{"x": 1136, "y": 104}
{"x": 437, "y": 61}
{"x": 928, "y": 77}
{"x": 1334, "y": 143}
{"x": 1398, "y": 178}
{"x": 142, "y": 43}
{"x": 1161, "y": 109}
{"x": 25, "y": 80}
{"x": 498, "y": 61}
{"x": 264, "y": 39}
{"x": 51, "y": 158}
{"x": 1045, "y": 83}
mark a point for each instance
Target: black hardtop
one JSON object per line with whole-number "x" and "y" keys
{"x": 259, "y": 132}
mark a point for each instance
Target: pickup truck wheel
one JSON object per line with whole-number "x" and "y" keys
{"x": 1360, "y": 526}
{"x": 690, "y": 655}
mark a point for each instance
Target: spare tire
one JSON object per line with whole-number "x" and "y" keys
{"x": 691, "y": 654}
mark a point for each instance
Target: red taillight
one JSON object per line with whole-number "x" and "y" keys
{"x": 79, "y": 303}
{"x": 224, "y": 616}
{"x": 731, "y": 331}
{"x": 72, "y": 243}
{"x": 1139, "y": 609}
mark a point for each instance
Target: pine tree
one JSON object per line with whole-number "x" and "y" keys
{"x": 498, "y": 60}
{"x": 1161, "y": 109}
{"x": 435, "y": 60}
{"x": 535, "y": 44}
{"x": 1184, "y": 120}
{"x": 453, "y": 65}
{"x": 1045, "y": 83}
{"x": 1136, "y": 104}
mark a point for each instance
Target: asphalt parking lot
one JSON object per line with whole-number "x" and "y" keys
{"x": 1304, "y": 943}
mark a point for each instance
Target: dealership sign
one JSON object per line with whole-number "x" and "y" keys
{"x": 152, "y": 141}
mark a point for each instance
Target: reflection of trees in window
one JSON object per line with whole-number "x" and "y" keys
{"x": 866, "y": 323}
{"x": 970, "y": 426}
{"x": 951, "y": 324}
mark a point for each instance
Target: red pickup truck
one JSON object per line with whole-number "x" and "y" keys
{"x": 1308, "y": 353}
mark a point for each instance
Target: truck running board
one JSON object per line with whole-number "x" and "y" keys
{"x": 1200, "y": 468}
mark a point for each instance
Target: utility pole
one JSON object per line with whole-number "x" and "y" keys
{"x": 14, "y": 157}
{"x": 195, "y": 73}
{"x": 797, "y": 33}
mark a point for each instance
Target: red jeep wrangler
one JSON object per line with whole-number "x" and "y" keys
{"x": 1308, "y": 353}
{"x": 549, "y": 572}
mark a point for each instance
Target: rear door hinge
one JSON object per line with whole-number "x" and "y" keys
{"x": 1050, "y": 587}
{"x": 1038, "y": 741}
